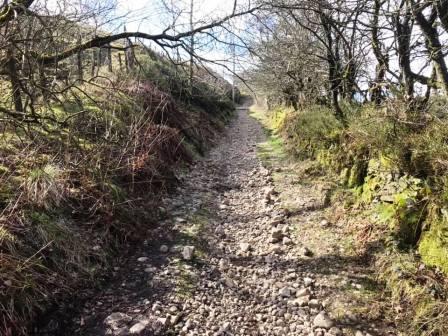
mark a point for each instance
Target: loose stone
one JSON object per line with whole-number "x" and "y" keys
{"x": 322, "y": 320}
{"x": 188, "y": 252}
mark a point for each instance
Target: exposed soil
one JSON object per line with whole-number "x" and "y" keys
{"x": 266, "y": 259}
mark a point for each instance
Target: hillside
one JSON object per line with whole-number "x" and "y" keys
{"x": 84, "y": 184}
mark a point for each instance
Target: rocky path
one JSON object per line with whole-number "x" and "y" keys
{"x": 242, "y": 257}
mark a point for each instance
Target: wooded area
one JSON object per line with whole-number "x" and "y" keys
{"x": 356, "y": 51}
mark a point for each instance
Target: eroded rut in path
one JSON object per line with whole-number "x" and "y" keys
{"x": 236, "y": 262}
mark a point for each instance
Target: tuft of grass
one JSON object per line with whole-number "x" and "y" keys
{"x": 186, "y": 281}
{"x": 308, "y": 131}
{"x": 43, "y": 186}
{"x": 8, "y": 241}
{"x": 272, "y": 150}
{"x": 416, "y": 294}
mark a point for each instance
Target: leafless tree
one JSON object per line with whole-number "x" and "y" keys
{"x": 40, "y": 45}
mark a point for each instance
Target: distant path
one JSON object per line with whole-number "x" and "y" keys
{"x": 265, "y": 260}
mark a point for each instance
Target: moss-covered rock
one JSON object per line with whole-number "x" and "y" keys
{"x": 397, "y": 198}
{"x": 433, "y": 246}
{"x": 357, "y": 174}
{"x": 344, "y": 176}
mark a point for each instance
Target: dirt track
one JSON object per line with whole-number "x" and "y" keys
{"x": 265, "y": 260}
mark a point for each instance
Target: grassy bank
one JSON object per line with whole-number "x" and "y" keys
{"x": 391, "y": 196}
{"x": 85, "y": 181}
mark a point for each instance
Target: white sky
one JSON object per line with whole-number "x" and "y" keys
{"x": 150, "y": 16}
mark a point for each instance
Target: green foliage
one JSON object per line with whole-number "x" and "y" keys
{"x": 425, "y": 312}
{"x": 271, "y": 150}
{"x": 49, "y": 228}
{"x": 357, "y": 173}
{"x": 213, "y": 98}
{"x": 166, "y": 76}
{"x": 310, "y": 130}
{"x": 118, "y": 193}
{"x": 400, "y": 201}
{"x": 366, "y": 129}
{"x": 277, "y": 118}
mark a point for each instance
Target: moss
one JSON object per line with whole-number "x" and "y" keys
{"x": 369, "y": 158}
{"x": 425, "y": 315}
{"x": 278, "y": 118}
{"x": 370, "y": 188}
{"x": 433, "y": 245}
{"x": 400, "y": 206}
{"x": 344, "y": 176}
{"x": 407, "y": 226}
{"x": 357, "y": 174}
{"x": 403, "y": 216}
{"x": 309, "y": 131}
{"x": 326, "y": 158}
{"x": 385, "y": 162}
{"x": 397, "y": 177}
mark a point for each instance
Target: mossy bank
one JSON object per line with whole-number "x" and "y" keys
{"x": 391, "y": 187}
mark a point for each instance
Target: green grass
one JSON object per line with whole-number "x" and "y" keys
{"x": 191, "y": 234}
{"x": 186, "y": 280}
{"x": 271, "y": 151}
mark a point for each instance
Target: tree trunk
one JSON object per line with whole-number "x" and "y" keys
{"x": 128, "y": 54}
{"x": 99, "y": 56}
{"x": 382, "y": 59}
{"x": 333, "y": 67}
{"x": 442, "y": 12}
{"x": 109, "y": 58}
{"x": 433, "y": 44}
{"x": 92, "y": 69}
{"x": 403, "y": 37}
{"x": 120, "y": 62}
{"x": 15, "y": 82}
{"x": 79, "y": 65}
